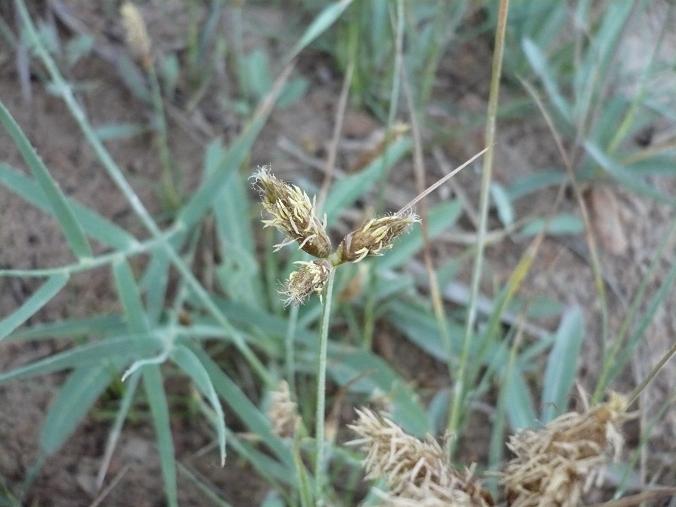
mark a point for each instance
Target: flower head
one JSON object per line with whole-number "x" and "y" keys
{"x": 283, "y": 411}
{"x": 292, "y": 212}
{"x": 136, "y": 33}
{"x": 417, "y": 472}
{"x": 310, "y": 278}
{"x": 375, "y": 236}
{"x": 556, "y": 464}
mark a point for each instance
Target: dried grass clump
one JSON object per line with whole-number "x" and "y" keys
{"x": 417, "y": 472}
{"x": 293, "y": 213}
{"x": 556, "y": 465}
{"x": 283, "y": 411}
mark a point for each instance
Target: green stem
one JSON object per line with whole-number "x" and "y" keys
{"x": 137, "y": 206}
{"x": 321, "y": 389}
{"x": 289, "y": 346}
{"x": 496, "y": 69}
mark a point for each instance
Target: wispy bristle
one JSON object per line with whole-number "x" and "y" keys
{"x": 293, "y": 213}
{"x": 309, "y": 279}
{"x": 417, "y": 472}
{"x": 557, "y": 464}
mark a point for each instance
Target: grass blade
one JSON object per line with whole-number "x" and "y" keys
{"x": 40, "y": 298}
{"x": 57, "y": 201}
{"x": 122, "y": 347}
{"x": 76, "y": 397}
{"x": 319, "y": 25}
{"x": 152, "y": 383}
{"x": 192, "y": 366}
{"x": 96, "y": 226}
{"x": 346, "y": 191}
{"x": 562, "y": 364}
{"x": 539, "y": 64}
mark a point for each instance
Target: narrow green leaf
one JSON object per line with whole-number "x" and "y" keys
{"x": 76, "y": 397}
{"x": 319, "y": 25}
{"x": 122, "y": 347}
{"x": 96, "y": 226}
{"x": 562, "y": 364}
{"x": 192, "y": 366}
{"x": 347, "y": 190}
{"x": 502, "y": 203}
{"x": 130, "y": 297}
{"x": 57, "y": 201}
{"x": 518, "y": 401}
{"x": 157, "y": 399}
{"x": 255, "y": 421}
{"x": 561, "y": 224}
{"x": 541, "y": 68}
{"x": 70, "y": 328}
{"x": 38, "y": 299}
{"x": 622, "y": 175}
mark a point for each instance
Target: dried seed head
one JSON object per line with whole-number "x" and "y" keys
{"x": 310, "y": 277}
{"x": 293, "y": 213}
{"x": 417, "y": 472}
{"x": 375, "y": 236}
{"x": 283, "y": 411}
{"x": 136, "y": 33}
{"x": 557, "y": 464}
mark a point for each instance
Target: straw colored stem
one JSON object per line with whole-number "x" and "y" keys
{"x": 496, "y": 69}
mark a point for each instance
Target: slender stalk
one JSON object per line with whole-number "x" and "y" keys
{"x": 321, "y": 389}
{"x": 118, "y": 178}
{"x": 496, "y": 69}
{"x": 289, "y": 350}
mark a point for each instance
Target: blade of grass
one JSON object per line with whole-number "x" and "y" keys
{"x": 122, "y": 347}
{"x": 561, "y": 368}
{"x": 76, "y": 397}
{"x": 96, "y": 226}
{"x": 319, "y": 25}
{"x": 125, "y": 404}
{"x": 57, "y": 201}
{"x": 192, "y": 366}
{"x": 33, "y": 304}
{"x": 496, "y": 70}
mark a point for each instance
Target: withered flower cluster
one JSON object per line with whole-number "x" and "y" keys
{"x": 417, "y": 472}
{"x": 557, "y": 464}
{"x": 292, "y": 212}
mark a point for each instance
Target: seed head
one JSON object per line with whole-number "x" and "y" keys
{"x": 136, "y": 33}
{"x": 283, "y": 412}
{"x": 557, "y": 464}
{"x": 310, "y": 277}
{"x": 417, "y": 472}
{"x": 293, "y": 213}
{"x": 375, "y": 236}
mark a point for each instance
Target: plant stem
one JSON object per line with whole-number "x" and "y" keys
{"x": 321, "y": 389}
{"x": 289, "y": 349}
{"x": 496, "y": 69}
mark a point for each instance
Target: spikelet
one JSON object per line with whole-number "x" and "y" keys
{"x": 136, "y": 33}
{"x": 556, "y": 465}
{"x": 417, "y": 472}
{"x": 310, "y": 278}
{"x": 293, "y": 213}
{"x": 283, "y": 411}
{"x": 374, "y": 236}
